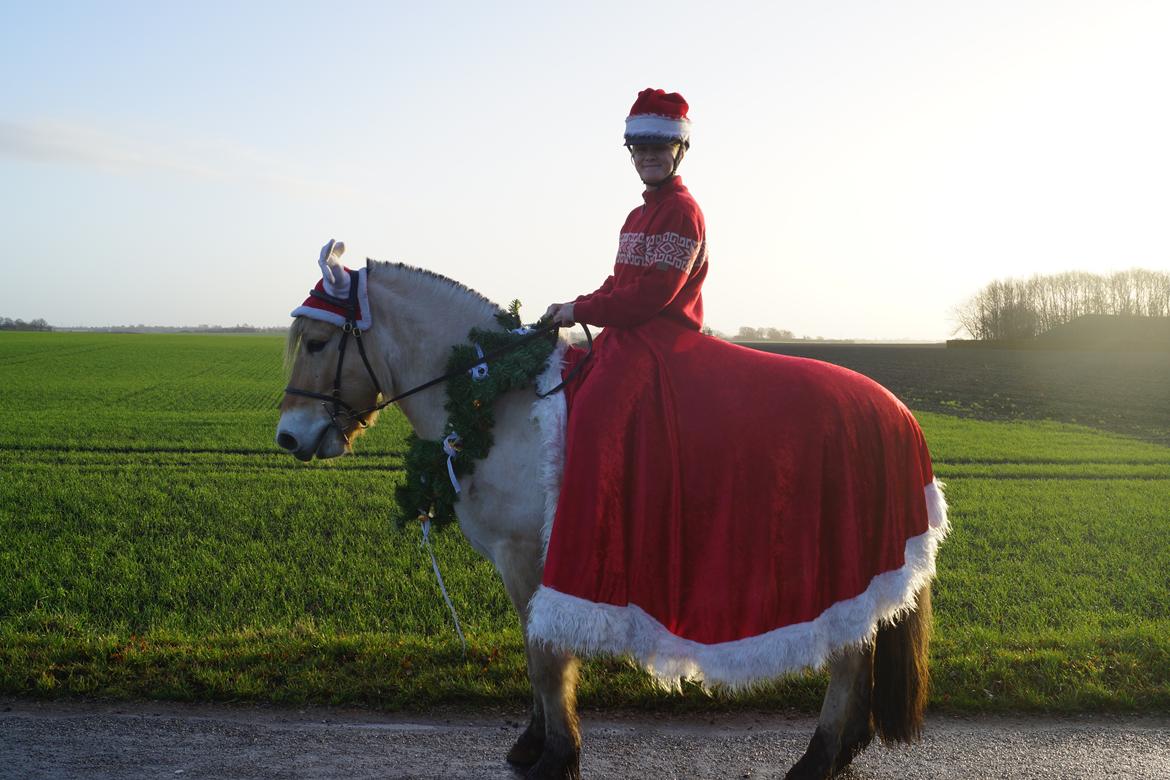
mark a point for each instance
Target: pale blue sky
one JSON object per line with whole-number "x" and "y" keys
{"x": 864, "y": 167}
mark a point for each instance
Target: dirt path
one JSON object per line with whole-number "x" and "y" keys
{"x": 97, "y": 740}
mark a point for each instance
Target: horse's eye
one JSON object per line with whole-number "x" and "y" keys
{"x": 315, "y": 346}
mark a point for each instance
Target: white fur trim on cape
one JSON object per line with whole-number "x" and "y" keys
{"x": 333, "y": 318}
{"x": 585, "y": 627}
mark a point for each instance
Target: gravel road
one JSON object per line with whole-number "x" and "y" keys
{"x": 147, "y": 740}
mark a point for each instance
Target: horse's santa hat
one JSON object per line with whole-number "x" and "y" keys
{"x": 335, "y": 283}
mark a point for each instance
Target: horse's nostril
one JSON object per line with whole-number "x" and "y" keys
{"x": 287, "y": 441}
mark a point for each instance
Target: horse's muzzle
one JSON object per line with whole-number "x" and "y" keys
{"x": 305, "y": 435}
{"x": 289, "y": 442}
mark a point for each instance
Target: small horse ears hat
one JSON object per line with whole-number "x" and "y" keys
{"x": 329, "y": 300}
{"x": 658, "y": 117}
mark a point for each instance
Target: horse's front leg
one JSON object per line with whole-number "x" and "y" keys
{"x": 530, "y": 745}
{"x": 554, "y": 679}
{"x": 551, "y": 744}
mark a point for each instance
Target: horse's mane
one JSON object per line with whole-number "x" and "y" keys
{"x": 458, "y": 289}
{"x": 449, "y": 288}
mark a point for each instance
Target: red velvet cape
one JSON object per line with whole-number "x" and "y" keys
{"x": 729, "y": 492}
{"x": 724, "y": 492}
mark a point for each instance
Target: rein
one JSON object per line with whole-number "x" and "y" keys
{"x": 350, "y": 305}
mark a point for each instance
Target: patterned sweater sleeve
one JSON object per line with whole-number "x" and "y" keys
{"x": 645, "y": 282}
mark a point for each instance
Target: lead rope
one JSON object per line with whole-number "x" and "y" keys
{"x": 426, "y": 534}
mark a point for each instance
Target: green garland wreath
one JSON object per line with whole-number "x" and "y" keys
{"x": 427, "y": 492}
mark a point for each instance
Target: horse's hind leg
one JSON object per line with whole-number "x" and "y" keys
{"x": 845, "y": 726}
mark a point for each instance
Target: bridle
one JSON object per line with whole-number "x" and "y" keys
{"x": 350, "y": 305}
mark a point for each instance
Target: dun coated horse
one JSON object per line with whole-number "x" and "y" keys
{"x": 878, "y": 685}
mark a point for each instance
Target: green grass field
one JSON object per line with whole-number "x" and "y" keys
{"x": 155, "y": 543}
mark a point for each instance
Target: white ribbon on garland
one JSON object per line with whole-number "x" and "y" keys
{"x": 451, "y": 446}
{"x": 426, "y": 533}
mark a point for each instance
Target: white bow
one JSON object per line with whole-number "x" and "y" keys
{"x": 452, "y": 445}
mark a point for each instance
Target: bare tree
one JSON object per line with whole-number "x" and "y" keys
{"x": 1021, "y": 309}
{"x": 748, "y": 334}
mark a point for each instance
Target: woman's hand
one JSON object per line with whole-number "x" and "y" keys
{"x": 561, "y": 313}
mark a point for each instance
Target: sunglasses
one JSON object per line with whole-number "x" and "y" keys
{"x": 645, "y": 150}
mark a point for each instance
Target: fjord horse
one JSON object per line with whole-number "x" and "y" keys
{"x": 878, "y": 685}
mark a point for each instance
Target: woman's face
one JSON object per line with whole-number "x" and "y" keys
{"x": 653, "y": 162}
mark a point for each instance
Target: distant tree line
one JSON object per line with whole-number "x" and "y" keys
{"x": 1025, "y": 308}
{"x": 140, "y": 328}
{"x": 746, "y": 333}
{"x": 763, "y": 334}
{"x": 7, "y": 323}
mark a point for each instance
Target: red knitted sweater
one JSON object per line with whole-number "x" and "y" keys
{"x": 660, "y": 267}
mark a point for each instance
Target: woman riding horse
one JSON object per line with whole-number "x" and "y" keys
{"x": 721, "y": 508}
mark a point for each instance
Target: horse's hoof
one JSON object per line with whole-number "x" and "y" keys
{"x": 539, "y": 772}
{"x": 815, "y": 764}
{"x": 852, "y": 746}
{"x": 559, "y": 761}
{"x": 528, "y": 748}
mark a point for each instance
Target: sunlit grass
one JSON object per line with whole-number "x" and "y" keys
{"x": 172, "y": 552}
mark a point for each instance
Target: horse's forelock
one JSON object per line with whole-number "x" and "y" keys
{"x": 292, "y": 344}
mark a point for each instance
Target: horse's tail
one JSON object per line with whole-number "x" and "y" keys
{"x": 901, "y": 675}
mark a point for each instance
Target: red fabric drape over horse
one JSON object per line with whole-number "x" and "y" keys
{"x": 724, "y": 513}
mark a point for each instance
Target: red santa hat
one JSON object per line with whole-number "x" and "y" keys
{"x": 658, "y": 117}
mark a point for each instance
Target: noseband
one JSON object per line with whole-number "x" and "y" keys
{"x": 350, "y": 305}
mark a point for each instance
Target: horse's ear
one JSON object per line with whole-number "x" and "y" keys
{"x": 332, "y": 272}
